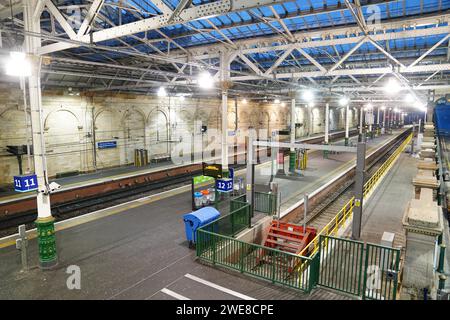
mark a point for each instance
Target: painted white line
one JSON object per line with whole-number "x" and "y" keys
{"x": 174, "y": 294}
{"x": 220, "y": 288}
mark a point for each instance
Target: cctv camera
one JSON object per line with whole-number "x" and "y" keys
{"x": 53, "y": 186}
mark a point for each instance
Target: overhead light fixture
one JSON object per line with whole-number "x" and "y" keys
{"x": 182, "y": 98}
{"x": 383, "y": 108}
{"x": 396, "y": 110}
{"x": 369, "y": 106}
{"x": 205, "y": 80}
{"x": 344, "y": 101}
{"x": 162, "y": 92}
{"x": 392, "y": 87}
{"x": 277, "y": 101}
{"x": 17, "y": 65}
{"x": 283, "y": 104}
{"x": 409, "y": 98}
{"x": 311, "y": 104}
{"x": 308, "y": 95}
{"x": 244, "y": 101}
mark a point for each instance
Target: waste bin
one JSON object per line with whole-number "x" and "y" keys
{"x": 197, "y": 219}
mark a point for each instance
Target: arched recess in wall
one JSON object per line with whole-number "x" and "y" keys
{"x": 158, "y": 132}
{"x": 108, "y": 127}
{"x": 133, "y": 122}
{"x": 12, "y": 132}
{"x": 185, "y": 125}
{"x": 63, "y": 142}
{"x": 264, "y": 123}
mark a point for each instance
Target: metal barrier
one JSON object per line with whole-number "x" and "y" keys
{"x": 256, "y": 260}
{"x": 370, "y": 272}
{"x": 230, "y": 225}
{"x": 265, "y": 203}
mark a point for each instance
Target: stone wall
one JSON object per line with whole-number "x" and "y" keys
{"x": 73, "y": 123}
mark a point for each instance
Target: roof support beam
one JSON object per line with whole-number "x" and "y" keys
{"x": 430, "y": 50}
{"x": 60, "y": 18}
{"x": 90, "y": 16}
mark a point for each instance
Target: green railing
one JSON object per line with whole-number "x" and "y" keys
{"x": 255, "y": 260}
{"x": 369, "y": 271}
{"x": 265, "y": 203}
{"x": 230, "y": 225}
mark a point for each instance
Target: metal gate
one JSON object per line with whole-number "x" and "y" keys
{"x": 367, "y": 271}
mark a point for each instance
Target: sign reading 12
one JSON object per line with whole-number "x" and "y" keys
{"x": 224, "y": 185}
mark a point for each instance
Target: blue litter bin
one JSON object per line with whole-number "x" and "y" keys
{"x": 197, "y": 219}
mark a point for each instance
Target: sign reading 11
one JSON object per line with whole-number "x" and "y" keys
{"x": 25, "y": 183}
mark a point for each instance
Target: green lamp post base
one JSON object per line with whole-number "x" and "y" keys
{"x": 46, "y": 242}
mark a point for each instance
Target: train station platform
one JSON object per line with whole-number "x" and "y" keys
{"x": 138, "y": 250}
{"x": 7, "y": 192}
{"x": 139, "y": 253}
{"x": 319, "y": 171}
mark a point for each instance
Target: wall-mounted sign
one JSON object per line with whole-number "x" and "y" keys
{"x": 25, "y": 183}
{"x": 224, "y": 185}
{"x": 212, "y": 170}
{"x": 107, "y": 144}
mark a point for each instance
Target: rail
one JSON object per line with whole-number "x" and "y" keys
{"x": 333, "y": 227}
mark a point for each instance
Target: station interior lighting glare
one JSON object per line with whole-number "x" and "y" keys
{"x": 396, "y": 110}
{"x": 277, "y": 101}
{"x": 162, "y": 92}
{"x": 308, "y": 95}
{"x": 409, "y": 98}
{"x": 205, "y": 80}
{"x": 244, "y": 101}
{"x": 182, "y": 98}
{"x": 392, "y": 87}
{"x": 17, "y": 65}
{"x": 420, "y": 106}
{"x": 383, "y": 108}
{"x": 283, "y": 104}
{"x": 344, "y": 101}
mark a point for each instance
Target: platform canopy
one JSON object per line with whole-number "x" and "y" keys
{"x": 345, "y": 47}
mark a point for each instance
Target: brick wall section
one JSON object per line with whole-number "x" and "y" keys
{"x": 134, "y": 122}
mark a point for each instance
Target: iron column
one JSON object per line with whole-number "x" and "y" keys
{"x": 359, "y": 190}
{"x": 45, "y": 222}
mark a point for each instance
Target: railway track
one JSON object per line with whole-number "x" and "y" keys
{"x": 322, "y": 214}
{"x": 129, "y": 189}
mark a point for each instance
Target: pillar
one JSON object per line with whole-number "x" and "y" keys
{"x": 45, "y": 221}
{"x": 292, "y": 153}
{"x": 327, "y": 122}
{"x": 225, "y": 76}
{"x": 359, "y": 190}
{"x": 361, "y": 122}
{"x": 347, "y": 123}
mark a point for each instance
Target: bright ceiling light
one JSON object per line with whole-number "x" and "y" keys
{"x": 311, "y": 104}
{"x": 396, "y": 110}
{"x": 283, "y": 104}
{"x": 205, "y": 81}
{"x": 420, "y": 106}
{"x": 383, "y": 108}
{"x": 18, "y": 65}
{"x": 162, "y": 92}
{"x": 392, "y": 86}
{"x": 182, "y": 98}
{"x": 344, "y": 101}
{"x": 308, "y": 95}
{"x": 244, "y": 101}
{"x": 409, "y": 98}
{"x": 277, "y": 101}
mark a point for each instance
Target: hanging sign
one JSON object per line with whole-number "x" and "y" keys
{"x": 25, "y": 183}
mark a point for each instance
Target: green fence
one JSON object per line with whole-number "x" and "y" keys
{"x": 233, "y": 223}
{"x": 255, "y": 260}
{"x": 265, "y": 203}
{"x": 368, "y": 271}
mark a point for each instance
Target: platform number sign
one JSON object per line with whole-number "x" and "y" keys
{"x": 224, "y": 185}
{"x": 25, "y": 183}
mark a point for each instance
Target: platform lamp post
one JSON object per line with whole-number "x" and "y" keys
{"x": 292, "y": 153}
{"x": 45, "y": 222}
{"x": 345, "y": 102}
{"x": 225, "y": 85}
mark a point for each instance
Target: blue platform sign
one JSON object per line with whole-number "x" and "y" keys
{"x": 107, "y": 144}
{"x": 25, "y": 183}
{"x": 224, "y": 185}
{"x": 231, "y": 173}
